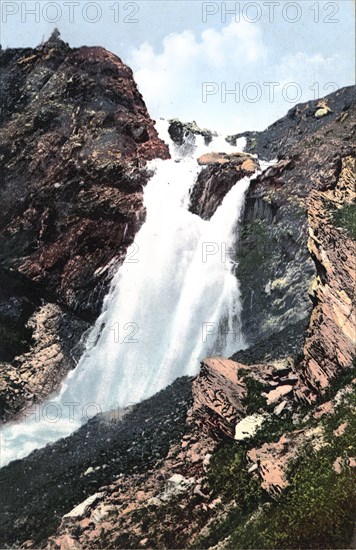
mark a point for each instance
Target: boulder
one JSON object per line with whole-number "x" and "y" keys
{"x": 224, "y": 158}
{"x": 83, "y": 508}
{"x": 275, "y": 395}
{"x": 248, "y": 427}
{"x": 180, "y": 132}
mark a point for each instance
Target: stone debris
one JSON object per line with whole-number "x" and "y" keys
{"x": 82, "y": 509}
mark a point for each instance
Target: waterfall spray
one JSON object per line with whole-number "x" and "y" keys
{"x": 169, "y": 306}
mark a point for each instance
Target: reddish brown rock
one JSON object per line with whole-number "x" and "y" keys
{"x": 220, "y": 391}
{"x": 331, "y": 339}
{"x": 35, "y": 374}
{"x": 75, "y": 138}
{"x": 275, "y": 395}
{"x": 273, "y": 459}
{"x": 218, "y": 394}
{"x": 341, "y": 429}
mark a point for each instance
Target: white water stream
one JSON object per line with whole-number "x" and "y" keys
{"x": 174, "y": 301}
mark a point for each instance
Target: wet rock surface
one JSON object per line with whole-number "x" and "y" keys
{"x": 219, "y": 174}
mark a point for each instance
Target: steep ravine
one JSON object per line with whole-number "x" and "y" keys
{"x": 189, "y": 467}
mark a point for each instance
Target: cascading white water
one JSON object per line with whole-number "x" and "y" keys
{"x": 174, "y": 301}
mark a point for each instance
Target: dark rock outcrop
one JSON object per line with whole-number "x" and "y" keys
{"x": 181, "y": 132}
{"x": 298, "y": 125}
{"x": 75, "y": 138}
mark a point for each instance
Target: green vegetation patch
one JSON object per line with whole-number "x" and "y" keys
{"x": 254, "y": 401}
{"x": 229, "y": 479}
{"x": 14, "y": 341}
{"x": 256, "y": 242}
{"x": 346, "y": 218}
{"x": 253, "y": 253}
{"x": 315, "y": 511}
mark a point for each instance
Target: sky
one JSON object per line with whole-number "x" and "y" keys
{"x": 230, "y": 66}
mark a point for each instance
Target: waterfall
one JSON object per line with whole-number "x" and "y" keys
{"x": 174, "y": 301}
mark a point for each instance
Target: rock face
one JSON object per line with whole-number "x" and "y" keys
{"x": 75, "y": 133}
{"x": 330, "y": 344}
{"x": 275, "y": 269}
{"x": 55, "y": 348}
{"x": 75, "y": 138}
{"x": 225, "y": 392}
{"x": 299, "y": 124}
{"x": 221, "y": 173}
{"x": 219, "y": 394}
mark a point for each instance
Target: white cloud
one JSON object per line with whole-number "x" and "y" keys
{"x": 312, "y": 68}
{"x": 172, "y": 79}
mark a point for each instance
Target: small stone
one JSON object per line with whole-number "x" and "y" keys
{"x": 341, "y": 429}
{"x": 274, "y": 395}
{"x": 338, "y": 465}
{"x": 280, "y": 408}
{"x": 253, "y": 468}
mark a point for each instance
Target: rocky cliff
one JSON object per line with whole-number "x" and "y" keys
{"x": 75, "y": 139}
